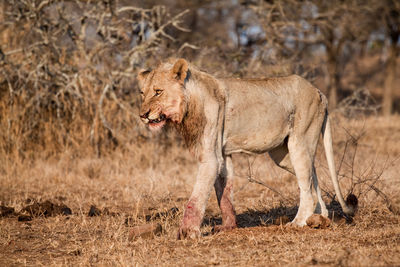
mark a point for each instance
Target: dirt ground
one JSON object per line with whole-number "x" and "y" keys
{"x": 82, "y": 211}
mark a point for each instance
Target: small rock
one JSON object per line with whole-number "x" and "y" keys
{"x": 6, "y": 211}
{"x": 24, "y": 218}
{"x": 145, "y": 231}
{"x": 66, "y": 211}
{"x": 94, "y": 211}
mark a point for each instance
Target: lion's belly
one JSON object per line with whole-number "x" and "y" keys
{"x": 255, "y": 129}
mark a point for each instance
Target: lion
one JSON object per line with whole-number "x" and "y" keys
{"x": 283, "y": 116}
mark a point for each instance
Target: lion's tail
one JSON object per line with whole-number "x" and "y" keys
{"x": 351, "y": 199}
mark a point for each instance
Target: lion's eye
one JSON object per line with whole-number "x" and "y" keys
{"x": 158, "y": 92}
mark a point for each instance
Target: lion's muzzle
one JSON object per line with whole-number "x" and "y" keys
{"x": 154, "y": 120}
{"x": 148, "y": 117}
{"x": 161, "y": 118}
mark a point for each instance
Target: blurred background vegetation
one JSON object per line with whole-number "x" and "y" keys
{"x": 68, "y": 67}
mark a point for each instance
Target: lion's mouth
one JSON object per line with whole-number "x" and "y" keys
{"x": 157, "y": 124}
{"x": 161, "y": 118}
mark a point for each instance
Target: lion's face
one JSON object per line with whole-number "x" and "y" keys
{"x": 162, "y": 93}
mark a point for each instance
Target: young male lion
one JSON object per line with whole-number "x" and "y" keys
{"x": 218, "y": 117}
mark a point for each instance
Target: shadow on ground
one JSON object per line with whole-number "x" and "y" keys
{"x": 253, "y": 218}
{"x": 277, "y": 216}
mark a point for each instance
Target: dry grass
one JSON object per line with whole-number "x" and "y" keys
{"x": 156, "y": 179}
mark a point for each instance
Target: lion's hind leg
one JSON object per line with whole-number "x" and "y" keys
{"x": 224, "y": 191}
{"x": 302, "y": 164}
{"x": 281, "y": 157}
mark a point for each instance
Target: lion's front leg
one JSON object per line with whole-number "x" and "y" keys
{"x": 224, "y": 191}
{"x": 196, "y": 205}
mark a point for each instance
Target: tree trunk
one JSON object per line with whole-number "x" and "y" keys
{"x": 390, "y": 75}
{"x": 333, "y": 81}
{"x": 333, "y": 50}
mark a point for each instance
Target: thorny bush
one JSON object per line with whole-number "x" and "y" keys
{"x": 67, "y": 72}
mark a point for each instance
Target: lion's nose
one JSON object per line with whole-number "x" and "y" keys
{"x": 145, "y": 115}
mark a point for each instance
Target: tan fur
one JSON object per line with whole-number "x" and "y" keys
{"x": 218, "y": 117}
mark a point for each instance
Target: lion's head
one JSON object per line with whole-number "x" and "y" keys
{"x": 162, "y": 91}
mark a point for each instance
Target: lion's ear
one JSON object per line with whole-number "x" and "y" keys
{"x": 180, "y": 70}
{"x": 142, "y": 75}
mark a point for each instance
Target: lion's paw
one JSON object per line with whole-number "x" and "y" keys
{"x": 188, "y": 232}
{"x": 221, "y": 228}
{"x": 296, "y": 223}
